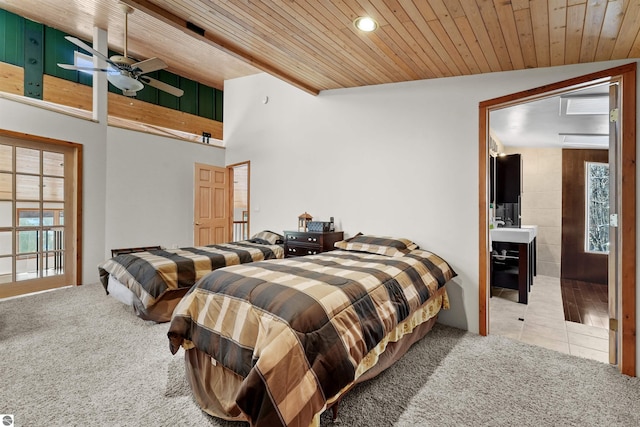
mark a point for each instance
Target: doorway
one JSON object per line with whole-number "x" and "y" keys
{"x": 625, "y": 264}
{"x": 240, "y": 200}
{"x": 39, "y": 222}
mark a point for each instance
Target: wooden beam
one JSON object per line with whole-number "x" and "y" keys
{"x": 64, "y": 92}
{"x": 155, "y": 115}
{"x": 75, "y": 95}
{"x": 11, "y": 79}
{"x": 218, "y": 42}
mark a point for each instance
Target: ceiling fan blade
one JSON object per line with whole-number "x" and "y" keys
{"x": 149, "y": 65}
{"x": 88, "y": 48}
{"x": 77, "y": 68}
{"x": 162, "y": 86}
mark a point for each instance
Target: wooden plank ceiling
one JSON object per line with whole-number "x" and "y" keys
{"x": 314, "y": 45}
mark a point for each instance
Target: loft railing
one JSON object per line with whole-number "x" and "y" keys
{"x": 240, "y": 230}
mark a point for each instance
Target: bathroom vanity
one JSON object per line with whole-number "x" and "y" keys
{"x": 513, "y": 258}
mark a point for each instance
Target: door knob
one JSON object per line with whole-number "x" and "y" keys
{"x": 197, "y": 223}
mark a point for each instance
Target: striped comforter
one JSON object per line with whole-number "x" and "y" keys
{"x": 150, "y": 274}
{"x": 298, "y": 330}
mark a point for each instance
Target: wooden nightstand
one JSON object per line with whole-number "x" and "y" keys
{"x": 299, "y": 243}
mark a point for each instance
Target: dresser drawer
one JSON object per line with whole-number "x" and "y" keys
{"x": 299, "y": 243}
{"x": 301, "y": 250}
{"x": 303, "y": 237}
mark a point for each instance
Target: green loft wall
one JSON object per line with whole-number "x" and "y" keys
{"x": 198, "y": 99}
{"x": 11, "y": 38}
{"x": 60, "y": 51}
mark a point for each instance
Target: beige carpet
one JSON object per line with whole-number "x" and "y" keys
{"x": 76, "y": 357}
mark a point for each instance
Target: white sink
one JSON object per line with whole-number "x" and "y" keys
{"x": 534, "y": 227}
{"x": 524, "y": 234}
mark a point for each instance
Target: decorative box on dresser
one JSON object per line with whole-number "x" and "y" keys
{"x": 299, "y": 243}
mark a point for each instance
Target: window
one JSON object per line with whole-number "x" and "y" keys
{"x": 38, "y": 213}
{"x": 597, "y": 208}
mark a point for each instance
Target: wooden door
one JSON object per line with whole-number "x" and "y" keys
{"x": 212, "y": 201}
{"x": 38, "y": 214}
{"x": 615, "y": 185}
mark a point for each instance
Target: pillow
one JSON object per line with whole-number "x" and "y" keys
{"x": 259, "y": 241}
{"x": 381, "y": 245}
{"x": 269, "y": 236}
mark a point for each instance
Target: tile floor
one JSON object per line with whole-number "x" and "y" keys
{"x": 543, "y": 321}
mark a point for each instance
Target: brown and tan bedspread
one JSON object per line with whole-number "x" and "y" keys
{"x": 151, "y": 274}
{"x": 293, "y": 334}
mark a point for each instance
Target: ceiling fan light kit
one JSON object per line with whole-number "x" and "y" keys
{"x": 125, "y": 83}
{"x": 123, "y": 72}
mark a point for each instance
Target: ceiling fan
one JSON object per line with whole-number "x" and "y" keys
{"x": 125, "y": 73}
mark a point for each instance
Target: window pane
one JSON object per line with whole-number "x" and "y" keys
{"x": 54, "y": 239}
{"x": 6, "y": 158}
{"x": 5, "y": 214}
{"x": 5, "y": 270}
{"x": 28, "y": 217}
{"x": 597, "y": 185}
{"x": 53, "y": 189}
{"x": 53, "y": 264}
{"x": 27, "y": 214}
{"x": 6, "y": 190}
{"x": 28, "y": 205}
{"x": 27, "y": 187}
{"x": 5, "y": 243}
{"x": 57, "y": 210}
{"x": 48, "y": 218}
{"x": 27, "y": 241}
{"x": 52, "y": 163}
{"x": 53, "y": 206}
{"x": 26, "y": 267}
{"x": 27, "y": 160}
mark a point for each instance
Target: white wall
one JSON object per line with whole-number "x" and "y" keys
{"x": 137, "y": 188}
{"x": 149, "y": 191}
{"x": 398, "y": 159}
{"x": 19, "y": 117}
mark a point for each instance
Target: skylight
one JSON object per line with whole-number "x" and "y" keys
{"x": 582, "y": 105}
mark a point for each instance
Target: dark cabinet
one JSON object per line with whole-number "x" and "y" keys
{"x": 508, "y": 178}
{"x": 513, "y": 267}
{"x": 299, "y": 243}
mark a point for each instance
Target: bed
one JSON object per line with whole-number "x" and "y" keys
{"x": 153, "y": 281}
{"x": 278, "y": 342}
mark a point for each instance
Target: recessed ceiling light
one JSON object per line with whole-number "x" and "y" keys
{"x": 364, "y": 23}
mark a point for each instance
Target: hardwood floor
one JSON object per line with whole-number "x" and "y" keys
{"x": 585, "y": 303}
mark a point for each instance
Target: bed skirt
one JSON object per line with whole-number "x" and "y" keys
{"x": 159, "y": 312}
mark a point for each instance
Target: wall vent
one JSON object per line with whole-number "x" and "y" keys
{"x": 193, "y": 27}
